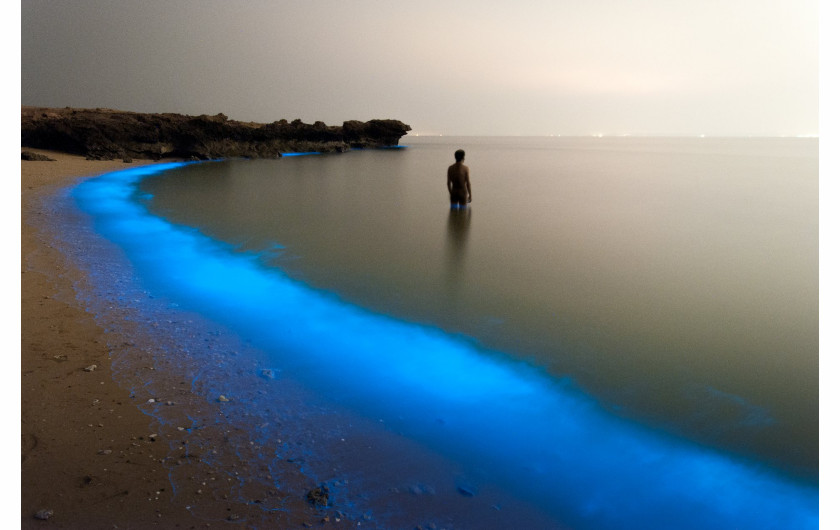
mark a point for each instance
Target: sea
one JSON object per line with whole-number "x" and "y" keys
{"x": 616, "y": 332}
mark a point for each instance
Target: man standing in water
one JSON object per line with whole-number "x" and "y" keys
{"x": 458, "y": 181}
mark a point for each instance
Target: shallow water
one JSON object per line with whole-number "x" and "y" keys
{"x": 608, "y": 319}
{"x": 677, "y": 280}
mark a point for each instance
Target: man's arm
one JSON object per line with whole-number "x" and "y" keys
{"x": 467, "y": 181}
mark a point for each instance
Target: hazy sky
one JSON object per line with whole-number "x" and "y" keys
{"x": 715, "y": 67}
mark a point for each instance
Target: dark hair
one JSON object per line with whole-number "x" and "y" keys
{"x": 459, "y": 155}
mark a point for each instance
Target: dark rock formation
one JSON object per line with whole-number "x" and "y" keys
{"x": 109, "y": 134}
{"x": 319, "y": 496}
{"x": 29, "y": 155}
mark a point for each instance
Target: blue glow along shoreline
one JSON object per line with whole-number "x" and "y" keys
{"x": 591, "y": 469}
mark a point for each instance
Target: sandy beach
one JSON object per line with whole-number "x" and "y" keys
{"x": 90, "y": 458}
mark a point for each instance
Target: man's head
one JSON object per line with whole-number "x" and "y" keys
{"x": 459, "y": 155}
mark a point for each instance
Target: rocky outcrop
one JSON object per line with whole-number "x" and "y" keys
{"x": 109, "y": 134}
{"x": 29, "y": 155}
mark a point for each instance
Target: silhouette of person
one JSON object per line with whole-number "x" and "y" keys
{"x": 458, "y": 181}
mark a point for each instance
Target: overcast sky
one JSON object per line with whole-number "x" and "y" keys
{"x": 567, "y": 67}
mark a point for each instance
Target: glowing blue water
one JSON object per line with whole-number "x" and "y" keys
{"x": 533, "y": 433}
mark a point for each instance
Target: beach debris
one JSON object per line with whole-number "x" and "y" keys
{"x": 421, "y": 489}
{"x": 223, "y": 399}
{"x": 319, "y": 496}
{"x": 466, "y": 491}
{"x": 268, "y": 373}
{"x": 104, "y": 452}
{"x": 90, "y": 368}
{"x": 44, "y": 514}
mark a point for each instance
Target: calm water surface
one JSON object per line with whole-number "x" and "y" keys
{"x": 674, "y": 280}
{"x": 616, "y": 333}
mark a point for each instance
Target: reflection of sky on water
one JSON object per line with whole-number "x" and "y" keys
{"x": 534, "y": 433}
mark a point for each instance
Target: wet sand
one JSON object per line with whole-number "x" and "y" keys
{"x": 90, "y": 458}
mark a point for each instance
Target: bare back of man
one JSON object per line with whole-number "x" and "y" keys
{"x": 458, "y": 181}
